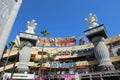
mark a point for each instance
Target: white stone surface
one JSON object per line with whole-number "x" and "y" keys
{"x": 8, "y": 13}
{"x": 91, "y": 20}
{"x": 101, "y": 51}
{"x": 24, "y": 58}
{"x": 31, "y": 26}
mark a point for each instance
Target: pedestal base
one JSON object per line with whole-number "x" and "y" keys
{"x": 23, "y": 69}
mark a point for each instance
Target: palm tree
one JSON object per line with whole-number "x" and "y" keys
{"x": 19, "y": 47}
{"x": 50, "y": 58}
{"x": 44, "y": 33}
{"x": 91, "y": 67}
{"x": 11, "y": 44}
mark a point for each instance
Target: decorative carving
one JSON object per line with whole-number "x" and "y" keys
{"x": 31, "y": 26}
{"x": 91, "y": 20}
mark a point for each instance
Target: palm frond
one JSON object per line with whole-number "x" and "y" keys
{"x": 51, "y": 57}
{"x": 11, "y": 44}
{"x": 45, "y": 33}
{"x": 21, "y": 45}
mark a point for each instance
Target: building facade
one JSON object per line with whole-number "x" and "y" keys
{"x": 71, "y": 62}
{"x": 62, "y": 59}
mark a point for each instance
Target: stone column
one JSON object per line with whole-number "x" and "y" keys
{"x": 101, "y": 52}
{"x": 30, "y": 38}
{"x": 24, "y": 58}
{"x": 96, "y": 34}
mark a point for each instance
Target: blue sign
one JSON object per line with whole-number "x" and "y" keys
{"x": 63, "y": 65}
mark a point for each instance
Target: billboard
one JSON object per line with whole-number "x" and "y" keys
{"x": 68, "y": 41}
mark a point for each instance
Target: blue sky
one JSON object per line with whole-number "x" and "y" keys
{"x": 64, "y": 18}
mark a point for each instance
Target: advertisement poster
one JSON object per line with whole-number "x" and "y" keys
{"x": 68, "y": 41}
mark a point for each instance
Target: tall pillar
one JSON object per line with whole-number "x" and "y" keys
{"x": 96, "y": 34}
{"x": 24, "y": 58}
{"x": 101, "y": 52}
{"x": 30, "y": 38}
{"x": 8, "y": 13}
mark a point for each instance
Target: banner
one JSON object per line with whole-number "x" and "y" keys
{"x": 68, "y": 41}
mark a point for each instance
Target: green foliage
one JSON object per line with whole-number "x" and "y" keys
{"x": 33, "y": 68}
{"x": 21, "y": 45}
{"x": 45, "y": 33}
{"x": 11, "y": 44}
{"x": 43, "y": 60}
{"x": 51, "y": 57}
{"x": 91, "y": 66}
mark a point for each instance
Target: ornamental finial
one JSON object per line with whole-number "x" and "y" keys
{"x": 31, "y": 26}
{"x": 91, "y": 20}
